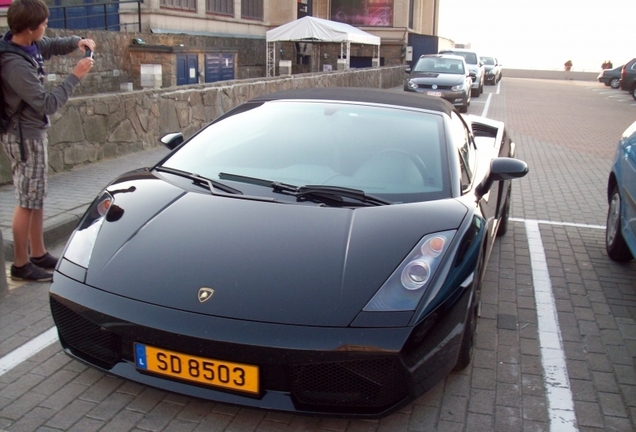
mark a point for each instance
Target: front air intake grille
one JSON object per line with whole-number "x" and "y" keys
{"x": 84, "y": 338}
{"x": 371, "y": 383}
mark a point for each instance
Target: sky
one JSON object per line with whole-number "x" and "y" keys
{"x": 543, "y": 34}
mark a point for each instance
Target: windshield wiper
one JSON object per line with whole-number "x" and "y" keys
{"x": 276, "y": 186}
{"x": 332, "y": 193}
{"x": 200, "y": 180}
{"x": 338, "y": 193}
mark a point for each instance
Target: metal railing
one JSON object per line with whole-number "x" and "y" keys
{"x": 95, "y": 16}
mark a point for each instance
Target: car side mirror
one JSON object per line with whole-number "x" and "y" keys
{"x": 172, "y": 140}
{"x": 501, "y": 168}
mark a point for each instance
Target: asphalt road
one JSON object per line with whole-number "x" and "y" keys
{"x": 556, "y": 342}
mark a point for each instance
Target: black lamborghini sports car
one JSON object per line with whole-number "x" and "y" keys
{"x": 315, "y": 250}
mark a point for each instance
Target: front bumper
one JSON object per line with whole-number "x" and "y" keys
{"x": 353, "y": 372}
{"x": 456, "y": 98}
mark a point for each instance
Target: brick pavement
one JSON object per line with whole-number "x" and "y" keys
{"x": 567, "y": 132}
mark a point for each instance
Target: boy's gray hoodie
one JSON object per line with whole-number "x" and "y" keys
{"x": 21, "y": 82}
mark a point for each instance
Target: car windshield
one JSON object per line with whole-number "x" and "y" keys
{"x": 397, "y": 154}
{"x": 488, "y": 61}
{"x": 440, "y": 65}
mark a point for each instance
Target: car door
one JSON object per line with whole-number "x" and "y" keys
{"x": 627, "y": 183}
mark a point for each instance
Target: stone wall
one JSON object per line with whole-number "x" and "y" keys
{"x": 117, "y": 59}
{"x": 91, "y": 128}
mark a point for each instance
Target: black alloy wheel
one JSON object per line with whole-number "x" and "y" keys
{"x": 502, "y": 229}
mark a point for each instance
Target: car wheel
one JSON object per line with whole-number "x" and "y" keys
{"x": 614, "y": 83}
{"x": 614, "y": 242}
{"x": 502, "y": 229}
{"x": 467, "y": 346}
{"x": 633, "y": 92}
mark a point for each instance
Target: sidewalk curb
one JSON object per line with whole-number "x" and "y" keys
{"x": 56, "y": 229}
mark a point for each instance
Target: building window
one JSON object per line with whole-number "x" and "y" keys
{"x": 188, "y": 5}
{"x": 221, "y": 7}
{"x": 252, "y": 9}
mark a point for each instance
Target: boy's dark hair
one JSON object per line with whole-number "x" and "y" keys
{"x": 26, "y": 14}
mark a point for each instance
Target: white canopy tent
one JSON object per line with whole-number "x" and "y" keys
{"x": 312, "y": 29}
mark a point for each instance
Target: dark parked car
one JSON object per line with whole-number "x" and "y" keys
{"x": 628, "y": 77}
{"x": 621, "y": 193}
{"x": 610, "y": 77}
{"x": 475, "y": 68}
{"x": 316, "y": 250}
{"x": 444, "y": 76}
{"x": 493, "y": 70}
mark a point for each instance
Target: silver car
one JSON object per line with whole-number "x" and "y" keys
{"x": 475, "y": 66}
{"x": 444, "y": 76}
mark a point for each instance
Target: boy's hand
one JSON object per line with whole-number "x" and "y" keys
{"x": 84, "y": 44}
{"x": 82, "y": 67}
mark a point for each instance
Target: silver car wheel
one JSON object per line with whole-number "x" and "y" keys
{"x": 613, "y": 218}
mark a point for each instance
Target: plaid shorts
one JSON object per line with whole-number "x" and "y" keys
{"x": 29, "y": 177}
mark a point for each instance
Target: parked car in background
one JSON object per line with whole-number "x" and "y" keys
{"x": 319, "y": 251}
{"x": 475, "y": 67}
{"x": 441, "y": 75}
{"x": 620, "y": 237}
{"x": 611, "y": 77}
{"x": 493, "y": 70}
{"x": 628, "y": 77}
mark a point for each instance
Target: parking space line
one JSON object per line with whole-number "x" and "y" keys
{"x": 570, "y": 224}
{"x": 485, "y": 111}
{"x": 557, "y": 382}
{"x": 27, "y": 350}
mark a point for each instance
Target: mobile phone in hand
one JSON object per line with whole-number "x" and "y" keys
{"x": 88, "y": 53}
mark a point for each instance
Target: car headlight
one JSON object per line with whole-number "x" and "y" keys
{"x": 411, "y": 85}
{"x": 405, "y": 287}
{"x": 80, "y": 246}
{"x": 458, "y": 87}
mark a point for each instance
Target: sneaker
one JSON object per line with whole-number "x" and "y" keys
{"x": 30, "y": 272}
{"x": 46, "y": 261}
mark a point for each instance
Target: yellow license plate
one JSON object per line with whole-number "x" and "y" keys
{"x": 217, "y": 373}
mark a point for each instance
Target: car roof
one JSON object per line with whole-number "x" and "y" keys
{"x": 451, "y": 56}
{"x": 457, "y": 50}
{"x": 364, "y": 95}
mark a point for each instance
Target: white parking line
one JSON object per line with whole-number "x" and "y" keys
{"x": 555, "y": 372}
{"x": 485, "y": 111}
{"x": 30, "y": 348}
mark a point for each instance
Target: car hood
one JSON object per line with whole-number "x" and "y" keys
{"x": 437, "y": 78}
{"x": 488, "y": 68}
{"x": 265, "y": 261}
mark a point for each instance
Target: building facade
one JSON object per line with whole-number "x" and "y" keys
{"x": 399, "y": 24}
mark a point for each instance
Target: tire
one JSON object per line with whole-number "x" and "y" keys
{"x": 615, "y": 83}
{"x": 615, "y": 244}
{"x": 633, "y": 92}
{"x": 467, "y": 346}
{"x": 502, "y": 229}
